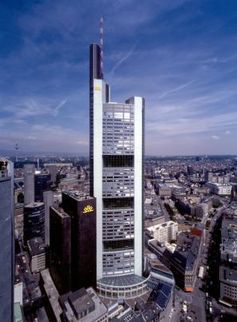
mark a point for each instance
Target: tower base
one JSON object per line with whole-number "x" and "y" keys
{"x": 122, "y": 287}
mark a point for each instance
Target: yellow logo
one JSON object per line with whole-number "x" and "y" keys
{"x": 97, "y": 88}
{"x": 87, "y": 209}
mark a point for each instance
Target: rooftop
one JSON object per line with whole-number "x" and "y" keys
{"x": 34, "y": 205}
{"x": 122, "y": 280}
{"x": 78, "y": 195}
{"x": 161, "y": 294}
{"x": 52, "y": 293}
{"x": 36, "y": 246}
{"x": 60, "y": 212}
{"x": 80, "y": 301}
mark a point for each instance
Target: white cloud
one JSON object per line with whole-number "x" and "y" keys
{"x": 215, "y": 137}
{"x": 122, "y": 60}
{"x": 31, "y": 107}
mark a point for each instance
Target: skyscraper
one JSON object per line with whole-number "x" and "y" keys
{"x": 42, "y": 183}
{"x": 6, "y": 241}
{"x": 48, "y": 202}
{"x": 116, "y": 177}
{"x": 29, "y": 183}
{"x": 34, "y": 221}
{"x": 73, "y": 241}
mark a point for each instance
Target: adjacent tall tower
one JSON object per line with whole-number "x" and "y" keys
{"x": 116, "y": 174}
{"x": 6, "y": 240}
{"x": 29, "y": 183}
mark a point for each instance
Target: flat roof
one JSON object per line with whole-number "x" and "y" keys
{"x": 52, "y": 293}
{"x": 78, "y": 195}
{"x": 36, "y": 246}
{"x": 125, "y": 280}
{"x": 34, "y": 204}
{"x": 60, "y": 212}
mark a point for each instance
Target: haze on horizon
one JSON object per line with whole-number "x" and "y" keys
{"x": 180, "y": 55}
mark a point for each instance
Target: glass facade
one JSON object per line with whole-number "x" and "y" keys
{"x": 118, "y": 189}
{"x": 34, "y": 221}
{"x": 6, "y": 242}
{"x": 116, "y": 177}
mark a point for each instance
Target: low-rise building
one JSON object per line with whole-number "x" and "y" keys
{"x": 165, "y": 232}
{"x": 83, "y": 305}
{"x": 201, "y": 210}
{"x": 181, "y": 259}
{"x": 37, "y": 252}
{"x": 163, "y": 190}
{"x": 221, "y": 189}
{"x": 228, "y": 254}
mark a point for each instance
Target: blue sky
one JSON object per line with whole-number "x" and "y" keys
{"x": 181, "y": 55}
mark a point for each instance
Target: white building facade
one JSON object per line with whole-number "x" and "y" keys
{"x": 116, "y": 156}
{"x": 164, "y": 233}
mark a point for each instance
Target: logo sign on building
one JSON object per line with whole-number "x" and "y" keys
{"x": 88, "y": 209}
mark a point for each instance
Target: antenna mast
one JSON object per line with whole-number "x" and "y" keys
{"x": 102, "y": 46}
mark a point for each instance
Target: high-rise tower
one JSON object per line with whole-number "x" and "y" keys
{"x": 29, "y": 182}
{"x": 116, "y": 174}
{"x": 6, "y": 240}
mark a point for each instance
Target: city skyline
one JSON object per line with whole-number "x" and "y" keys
{"x": 179, "y": 55}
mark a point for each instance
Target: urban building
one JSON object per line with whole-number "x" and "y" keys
{"x": 152, "y": 210}
{"x": 51, "y": 295}
{"x": 29, "y": 183}
{"x": 60, "y": 249}
{"x": 42, "y": 183}
{"x": 181, "y": 259}
{"x": 116, "y": 180}
{"x": 163, "y": 190}
{"x": 53, "y": 170}
{"x": 34, "y": 221}
{"x": 221, "y": 189}
{"x": 73, "y": 240}
{"x": 228, "y": 254}
{"x": 162, "y": 296}
{"x": 163, "y": 233}
{"x": 184, "y": 261}
{"x": 6, "y": 240}
{"x": 159, "y": 272}
{"x": 48, "y": 199}
{"x": 32, "y": 295}
{"x": 201, "y": 210}
{"x": 37, "y": 252}
{"x": 19, "y": 217}
{"x": 234, "y": 192}
{"x": 83, "y": 305}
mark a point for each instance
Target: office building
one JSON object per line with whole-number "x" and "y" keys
{"x": 228, "y": 256}
{"x": 48, "y": 199}
{"x": 181, "y": 259}
{"x": 234, "y": 192}
{"x": 60, "y": 249}
{"x": 53, "y": 170}
{"x": 82, "y": 210}
{"x": 29, "y": 183}
{"x": 32, "y": 295}
{"x": 42, "y": 183}
{"x": 116, "y": 178}
{"x": 164, "y": 233}
{"x": 34, "y": 217}
{"x": 37, "y": 252}
{"x": 6, "y": 240}
{"x": 83, "y": 305}
{"x": 221, "y": 189}
{"x": 73, "y": 241}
